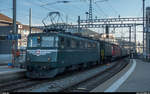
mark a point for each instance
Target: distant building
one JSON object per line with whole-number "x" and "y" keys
{"x": 148, "y": 32}
{"x": 6, "y": 28}
{"x": 24, "y": 31}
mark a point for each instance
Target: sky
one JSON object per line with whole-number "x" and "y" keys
{"x": 73, "y": 9}
{"x": 101, "y": 9}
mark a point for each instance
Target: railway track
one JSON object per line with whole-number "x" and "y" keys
{"x": 3, "y": 64}
{"x": 63, "y": 83}
{"x": 17, "y": 84}
{"x": 93, "y": 82}
{"x": 24, "y": 83}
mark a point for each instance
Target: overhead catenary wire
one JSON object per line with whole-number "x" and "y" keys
{"x": 47, "y": 9}
{"x": 101, "y": 9}
{"x": 64, "y": 12}
{"x": 25, "y": 14}
{"x": 96, "y": 12}
{"x": 6, "y": 9}
{"x": 53, "y": 9}
{"x": 112, "y": 8}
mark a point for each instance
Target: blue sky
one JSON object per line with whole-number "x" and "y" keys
{"x": 110, "y": 8}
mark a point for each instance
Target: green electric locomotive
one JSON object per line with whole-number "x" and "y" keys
{"x": 51, "y": 53}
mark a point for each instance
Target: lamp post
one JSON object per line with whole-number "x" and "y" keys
{"x": 143, "y": 23}
{"x": 30, "y": 20}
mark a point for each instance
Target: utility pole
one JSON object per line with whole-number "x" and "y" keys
{"x": 130, "y": 40}
{"x": 78, "y": 24}
{"x": 143, "y": 22}
{"x": 135, "y": 38}
{"x": 86, "y": 19}
{"x": 107, "y": 31}
{"x": 14, "y": 43}
{"x": 86, "y": 16}
{"x": 90, "y": 12}
{"x": 30, "y": 20}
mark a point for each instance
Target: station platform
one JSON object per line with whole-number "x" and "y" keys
{"x": 6, "y": 69}
{"x": 135, "y": 77}
{"x": 7, "y": 58}
{"x": 7, "y": 73}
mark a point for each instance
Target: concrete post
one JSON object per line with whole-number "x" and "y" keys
{"x": 30, "y": 21}
{"x": 14, "y": 43}
{"x": 130, "y": 40}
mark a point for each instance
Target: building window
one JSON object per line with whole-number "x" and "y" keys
{"x": 3, "y": 37}
{"x": 149, "y": 45}
{"x": 47, "y": 41}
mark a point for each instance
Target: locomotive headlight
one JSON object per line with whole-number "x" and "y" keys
{"x": 49, "y": 59}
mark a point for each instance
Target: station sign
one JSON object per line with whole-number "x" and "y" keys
{"x": 14, "y": 36}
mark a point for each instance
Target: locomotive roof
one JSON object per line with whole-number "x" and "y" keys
{"x": 65, "y": 34}
{"x": 68, "y": 34}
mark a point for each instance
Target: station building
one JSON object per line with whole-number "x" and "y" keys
{"x": 6, "y": 28}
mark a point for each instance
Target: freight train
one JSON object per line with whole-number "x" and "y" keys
{"x": 52, "y": 53}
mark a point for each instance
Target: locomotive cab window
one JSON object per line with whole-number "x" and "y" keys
{"x": 34, "y": 41}
{"x": 94, "y": 45}
{"x": 89, "y": 45}
{"x": 47, "y": 41}
{"x": 43, "y": 41}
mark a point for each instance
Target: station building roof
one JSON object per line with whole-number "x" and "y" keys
{"x": 7, "y": 21}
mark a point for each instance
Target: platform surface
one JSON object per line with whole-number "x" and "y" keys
{"x": 5, "y": 58}
{"x": 7, "y": 70}
{"x": 139, "y": 80}
{"x": 134, "y": 78}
